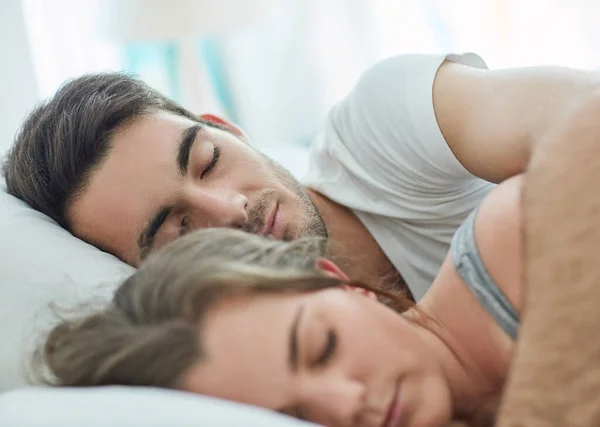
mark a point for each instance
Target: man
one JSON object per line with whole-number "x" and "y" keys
{"x": 555, "y": 376}
{"x": 403, "y": 159}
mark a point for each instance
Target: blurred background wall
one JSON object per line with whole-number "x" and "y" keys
{"x": 273, "y": 66}
{"x": 18, "y": 83}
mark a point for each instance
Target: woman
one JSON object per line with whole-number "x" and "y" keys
{"x": 274, "y": 324}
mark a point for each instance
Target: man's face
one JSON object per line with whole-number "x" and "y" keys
{"x": 166, "y": 175}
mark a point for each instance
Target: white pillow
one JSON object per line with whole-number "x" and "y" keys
{"x": 40, "y": 264}
{"x": 128, "y": 407}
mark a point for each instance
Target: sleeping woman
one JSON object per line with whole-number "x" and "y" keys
{"x": 274, "y": 324}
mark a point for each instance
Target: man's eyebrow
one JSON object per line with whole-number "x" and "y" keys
{"x": 147, "y": 235}
{"x": 293, "y": 354}
{"x": 186, "y": 141}
{"x": 188, "y": 136}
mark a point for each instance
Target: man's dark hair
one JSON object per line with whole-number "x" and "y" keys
{"x": 66, "y": 138}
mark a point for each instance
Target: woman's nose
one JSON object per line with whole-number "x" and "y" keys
{"x": 335, "y": 402}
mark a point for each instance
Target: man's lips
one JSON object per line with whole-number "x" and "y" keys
{"x": 394, "y": 414}
{"x": 272, "y": 224}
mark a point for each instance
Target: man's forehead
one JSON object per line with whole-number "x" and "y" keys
{"x": 160, "y": 120}
{"x": 138, "y": 173}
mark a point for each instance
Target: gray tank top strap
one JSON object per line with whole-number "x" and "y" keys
{"x": 470, "y": 267}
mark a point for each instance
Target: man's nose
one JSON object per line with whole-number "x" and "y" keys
{"x": 217, "y": 207}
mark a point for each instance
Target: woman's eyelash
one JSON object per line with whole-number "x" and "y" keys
{"x": 298, "y": 413}
{"x": 328, "y": 350}
{"x": 213, "y": 162}
{"x": 294, "y": 412}
{"x": 184, "y": 225}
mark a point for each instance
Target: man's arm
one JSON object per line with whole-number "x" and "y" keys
{"x": 492, "y": 119}
{"x": 555, "y": 377}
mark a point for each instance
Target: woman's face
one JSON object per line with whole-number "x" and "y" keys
{"x": 333, "y": 357}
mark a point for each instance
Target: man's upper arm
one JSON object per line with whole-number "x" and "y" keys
{"x": 555, "y": 376}
{"x": 491, "y": 119}
{"x": 388, "y": 123}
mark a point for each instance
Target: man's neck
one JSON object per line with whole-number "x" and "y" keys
{"x": 352, "y": 247}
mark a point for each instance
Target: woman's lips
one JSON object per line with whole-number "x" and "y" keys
{"x": 394, "y": 414}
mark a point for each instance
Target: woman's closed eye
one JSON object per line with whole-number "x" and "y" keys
{"x": 325, "y": 354}
{"x": 294, "y": 412}
{"x": 327, "y": 351}
{"x": 184, "y": 225}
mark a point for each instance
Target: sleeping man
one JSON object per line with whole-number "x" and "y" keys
{"x": 401, "y": 162}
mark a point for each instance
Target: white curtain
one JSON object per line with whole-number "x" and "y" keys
{"x": 17, "y": 82}
{"x": 287, "y": 70}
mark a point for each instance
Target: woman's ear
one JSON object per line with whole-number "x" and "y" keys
{"x": 211, "y": 118}
{"x": 361, "y": 291}
{"x": 330, "y": 269}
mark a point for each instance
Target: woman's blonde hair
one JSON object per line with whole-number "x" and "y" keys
{"x": 148, "y": 335}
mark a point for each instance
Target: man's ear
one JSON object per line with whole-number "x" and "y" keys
{"x": 330, "y": 269}
{"x": 211, "y": 118}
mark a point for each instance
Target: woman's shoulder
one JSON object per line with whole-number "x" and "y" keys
{"x": 499, "y": 237}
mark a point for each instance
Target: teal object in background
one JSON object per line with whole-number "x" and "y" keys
{"x": 210, "y": 53}
{"x": 158, "y": 64}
